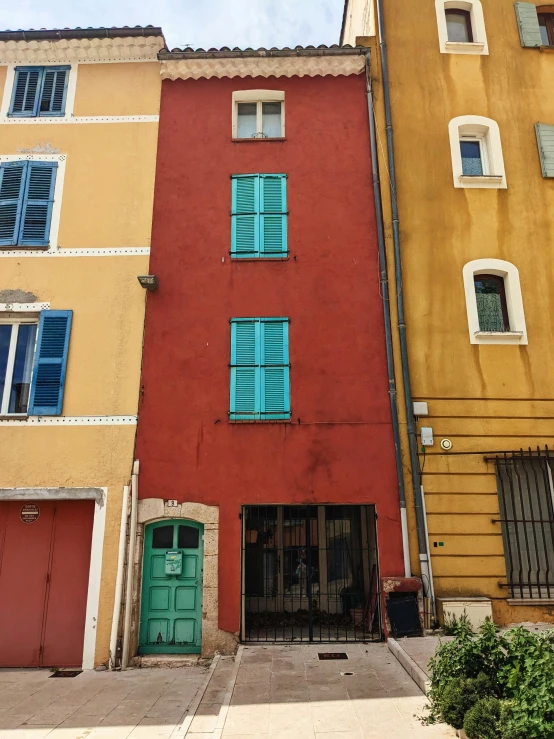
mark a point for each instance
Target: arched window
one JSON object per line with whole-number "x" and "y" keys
{"x": 476, "y": 151}
{"x": 494, "y": 303}
{"x": 461, "y": 27}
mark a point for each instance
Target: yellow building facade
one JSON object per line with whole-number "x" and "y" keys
{"x": 78, "y": 136}
{"x": 472, "y": 117}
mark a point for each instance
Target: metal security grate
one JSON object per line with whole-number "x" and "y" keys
{"x": 66, "y": 673}
{"x": 310, "y": 574}
{"x": 526, "y": 497}
{"x": 332, "y": 655}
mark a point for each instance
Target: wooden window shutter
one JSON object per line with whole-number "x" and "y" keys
{"x": 53, "y": 91}
{"x": 545, "y": 141}
{"x": 26, "y": 91}
{"x": 37, "y": 204}
{"x": 47, "y": 385}
{"x": 275, "y": 381}
{"x": 245, "y": 369}
{"x": 245, "y": 208}
{"x": 273, "y": 214}
{"x": 12, "y": 184}
{"x": 528, "y": 24}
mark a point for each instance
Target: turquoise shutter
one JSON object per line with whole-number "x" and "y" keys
{"x": 12, "y": 183}
{"x": 245, "y": 208}
{"x": 275, "y": 375}
{"x": 53, "y": 91}
{"x": 49, "y": 370}
{"x": 528, "y": 24}
{"x": 37, "y": 204}
{"x": 273, "y": 216}
{"x": 245, "y": 369}
{"x": 26, "y": 91}
{"x": 545, "y": 141}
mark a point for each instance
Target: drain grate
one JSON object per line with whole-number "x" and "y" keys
{"x": 332, "y": 655}
{"x": 66, "y": 673}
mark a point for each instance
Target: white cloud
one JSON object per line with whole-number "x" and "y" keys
{"x": 211, "y": 23}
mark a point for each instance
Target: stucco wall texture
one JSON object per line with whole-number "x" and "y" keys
{"x": 106, "y": 203}
{"x": 338, "y": 447}
{"x": 483, "y": 398}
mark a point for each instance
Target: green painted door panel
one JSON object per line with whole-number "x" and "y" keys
{"x": 171, "y": 609}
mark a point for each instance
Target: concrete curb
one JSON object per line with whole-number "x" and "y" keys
{"x": 182, "y": 730}
{"x": 414, "y": 671}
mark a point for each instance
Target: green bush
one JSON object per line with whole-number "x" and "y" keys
{"x": 481, "y": 721}
{"x": 460, "y": 695}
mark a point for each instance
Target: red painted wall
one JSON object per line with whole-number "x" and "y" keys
{"x": 339, "y": 446}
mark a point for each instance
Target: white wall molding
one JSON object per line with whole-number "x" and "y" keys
{"x": 97, "y": 50}
{"x": 69, "y": 421}
{"x": 475, "y": 9}
{"x": 23, "y": 307}
{"x": 123, "y": 251}
{"x": 514, "y": 302}
{"x": 54, "y": 121}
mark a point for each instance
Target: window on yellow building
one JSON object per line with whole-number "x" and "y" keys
{"x": 458, "y": 25}
{"x": 546, "y": 25}
{"x": 492, "y": 309}
{"x": 17, "y": 351}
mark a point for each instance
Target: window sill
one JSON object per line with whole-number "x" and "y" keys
{"x": 532, "y": 601}
{"x": 20, "y": 247}
{"x": 264, "y": 258}
{"x": 547, "y": 49}
{"x": 14, "y": 417}
{"x": 465, "y": 47}
{"x": 499, "y": 337}
{"x": 250, "y": 140}
{"x": 482, "y": 181}
{"x": 259, "y": 420}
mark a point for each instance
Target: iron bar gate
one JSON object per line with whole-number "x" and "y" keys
{"x": 310, "y": 574}
{"x": 526, "y": 497}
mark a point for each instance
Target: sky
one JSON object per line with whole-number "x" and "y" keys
{"x": 197, "y": 23}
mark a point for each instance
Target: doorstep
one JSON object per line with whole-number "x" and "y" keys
{"x": 170, "y": 660}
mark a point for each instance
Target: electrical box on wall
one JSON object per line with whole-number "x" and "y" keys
{"x": 174, "y": 563}
{"x": 427, "y": 436}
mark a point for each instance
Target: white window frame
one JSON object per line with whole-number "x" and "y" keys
{"x": 514, "y": 302}
{"x": 58, "y": 191}
{"x": 14, "y": 319}
{"x": 69, "y": 98}
{"x": 487, "y": 132}
{"x": 258, "y": 97}
{"x": 479, "y": 45}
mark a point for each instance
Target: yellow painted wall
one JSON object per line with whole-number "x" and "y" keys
{"x": 106, "y": 203}
{"x": 483, "y": 398}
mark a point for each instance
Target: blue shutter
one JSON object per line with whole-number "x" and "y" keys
{"x": 245, "y": 369}
{"x": 273, "y": 215}
{"x": 12, "y": 184}
{"x": 53, "y": 91}
{"x": 275, "y": 375}
{"x": 49, "y": 370}
{"x": 37, "y": 204}
{"x": 245, "y": 208}
{"x": 26, "y": 91}
{"x": 528, "y": 24}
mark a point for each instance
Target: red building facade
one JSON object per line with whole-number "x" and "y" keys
{"x": 300, "y": 510}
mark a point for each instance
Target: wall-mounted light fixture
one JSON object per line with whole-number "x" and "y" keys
{"x": 148, "y": 282}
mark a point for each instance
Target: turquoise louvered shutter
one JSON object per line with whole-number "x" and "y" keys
{"x": 545, "y": 141}
{"x": 12, "y": 185}
{"x": 38, "y": 199}
{"x": 47, "y": 385}
{"x": 274, "y": 377}
{"x": 26, "y": 91}
{"x": 245, "y": 369}
{"x": 245, "y": 233}
{"x": 528, "y": 24}
{"x": 53, "y": 91}
{"x": 273, "y": 214}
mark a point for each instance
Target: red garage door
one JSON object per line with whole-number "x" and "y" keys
{"x": 44, "y": 569}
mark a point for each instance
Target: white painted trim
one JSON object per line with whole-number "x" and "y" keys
{"x": 259, "y": 97}
{"x": 69, "y": 98}
{"x": 514, "y": 302}
{"x": 480, "y": 44}
{"x": 94, "y": 580}
{"x": 5, "y": 399}
{"x": 69, "y": 421}
{"x": 487, "y": 131}
{"x": 24, "y": 307}
{"x": 124, "y": 251}
{"x": 80, "y": 119}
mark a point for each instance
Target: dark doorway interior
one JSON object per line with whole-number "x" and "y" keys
{"x": 310, "y": 574}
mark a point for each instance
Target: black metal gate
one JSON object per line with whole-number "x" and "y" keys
{"x": 310, "y": 574}
{"x": 526, "y": 497}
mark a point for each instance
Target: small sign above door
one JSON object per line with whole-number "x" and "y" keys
{"x": 29, "y": 512}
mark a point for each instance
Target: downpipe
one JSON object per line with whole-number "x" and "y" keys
{"x": 422, "y": 539}
{"x": 119, "y": 577}
{"x": 384, "y": 283}
{"x": 130, "y": 567}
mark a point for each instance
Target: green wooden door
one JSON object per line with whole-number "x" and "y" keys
{"x": 171, "y": 609}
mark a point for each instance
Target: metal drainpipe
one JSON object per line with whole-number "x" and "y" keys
{"x": 423, "y": 543}
{"x": 388, "y": 327}
{"x": 119, "y": 577}
{"x": 130, "y": 567}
